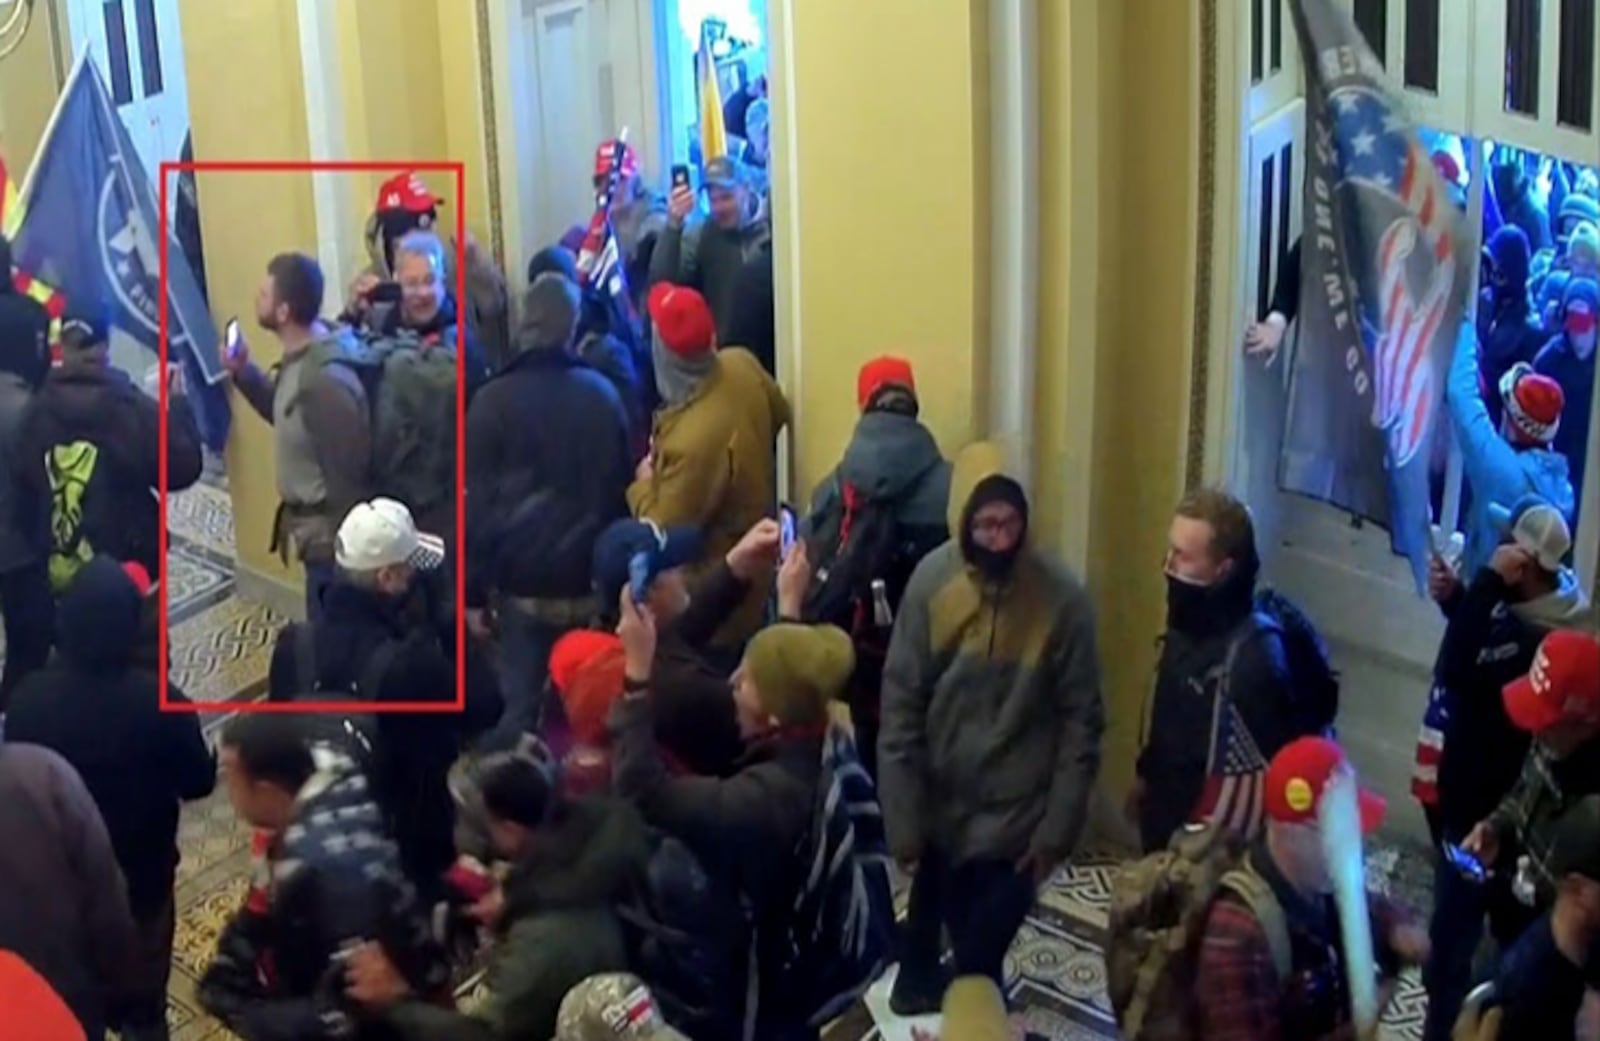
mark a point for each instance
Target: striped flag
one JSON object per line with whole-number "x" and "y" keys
{"x": 1235, "y": 774}
{"x": 600, "y": 257}
{"x": 713, "y": 133}
{"x": 11, "y": 211}
{"x": 1385, "y": 286}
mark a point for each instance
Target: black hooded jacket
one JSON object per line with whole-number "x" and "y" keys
{"x": 102, "y": 714}
{"x": 1190, "y": 678}
{"x": 412, "y": 753}
{"x": 1506, "y": 326}
{"x": 100, "y": 406}
{"x": 24, "y": 327}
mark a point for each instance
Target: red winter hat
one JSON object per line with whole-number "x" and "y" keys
{"x": 682, "y": 320}
{"x": 405, "y": 192}
{"x": 587, "y": 669}
{"x": 1562, "y": 686}
{"x": 33, "y": 1010}
{"x": 1299, "y": 774}
{"x": 882, "y": 372}
{"x": 606, "y": 155}
{"x": 1533, "y": 403}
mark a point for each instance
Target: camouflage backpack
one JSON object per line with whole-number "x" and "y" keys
{"x": 1158, "y": 913}
{"x": 411, "y": 391}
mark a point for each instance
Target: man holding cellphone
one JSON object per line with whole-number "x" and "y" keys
{"x": 710, "y": 255}
{"x": 1469, "y": 752}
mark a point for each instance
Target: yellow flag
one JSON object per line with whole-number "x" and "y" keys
{"x": 713, "y": 134}
{"x": 10, "y": 204}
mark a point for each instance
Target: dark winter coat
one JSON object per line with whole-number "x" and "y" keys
{"x": 24, "y": 328}
{"x": 547, "y": 425}
{"x": 24, "y": 536}
{"x": 1537, "y": 990}
{"x": 711, "y": 259}
{"x": 992, "y": 715}
{"x": 100, "y": 405}
{"x": 1190, "y": 676}
{"x": 747, "y": 829}
{"x": 695, "y": 718}
{"x": 335, "y": 879}
{"x": 63, "y": 906}
{"x": 559, "y": 928}
{"x": 1488, "y": 642}
{"x": 1527, "y": 820}
{"x": 1507, "y": 326}
{"x": 893, "y": 458}
{"x": 414, "y": 647}
{"x": 138, "y": 762}
{"x": 1560, "y": 361}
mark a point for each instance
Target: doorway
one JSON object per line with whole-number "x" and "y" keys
{"x": 1340, "y": 569}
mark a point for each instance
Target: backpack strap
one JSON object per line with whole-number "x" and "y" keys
{"x": 369, "y": 686}
{"x": 1248, "y": 885}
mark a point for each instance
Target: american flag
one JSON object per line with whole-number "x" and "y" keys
{"x": 600, "y": 258}
{"x": 1430, "y": 747}
{"x": 1415, "y": 263}
{"x": 1235, "y": 774}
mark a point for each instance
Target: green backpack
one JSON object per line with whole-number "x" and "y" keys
{"x": 411, "y": 390}
{"x": 1159, "y": 907}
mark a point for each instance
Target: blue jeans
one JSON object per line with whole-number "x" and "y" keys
{"x": 524, "y": 667}
{"x": 319, "y": 576}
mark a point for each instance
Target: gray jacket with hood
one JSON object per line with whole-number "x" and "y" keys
{"x": 891, "y": 457}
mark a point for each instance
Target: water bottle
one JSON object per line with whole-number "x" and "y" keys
{"x": 882, "y": 613}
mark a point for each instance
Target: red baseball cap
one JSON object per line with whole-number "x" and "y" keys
{"x": 34, "y": 1011}
{"x": 1562, "y": 686}
{"x": 682, "y": 319}
{"x": 1298, "y": 775}
{"x": 406, "y": 192}
{"x": 606, "y": 155}
{"x": 883, "y": 372}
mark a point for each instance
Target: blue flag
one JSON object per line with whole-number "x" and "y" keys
{"x": 90, "y": 231}
{"x": 1384, "y": 283}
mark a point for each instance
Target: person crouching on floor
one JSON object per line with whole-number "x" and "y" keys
{"x": 553, "y": 918}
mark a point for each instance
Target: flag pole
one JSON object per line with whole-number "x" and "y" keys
{"x": 25, "y": 192}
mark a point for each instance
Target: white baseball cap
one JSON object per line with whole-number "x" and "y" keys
{"x": 381, "y": 534}
{"x": 1537, "y": 527}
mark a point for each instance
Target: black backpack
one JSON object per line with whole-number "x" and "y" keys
{"x": 851, "y": 549}
{"x": 1311, "y": 673}
{"x": 688, "y": 939}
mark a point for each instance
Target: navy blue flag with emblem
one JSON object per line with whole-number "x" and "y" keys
{"x": 1384, "y": 282}
{"x": 90, "y": 231}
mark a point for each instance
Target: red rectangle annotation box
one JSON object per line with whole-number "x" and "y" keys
{"x": 457, "y": 170}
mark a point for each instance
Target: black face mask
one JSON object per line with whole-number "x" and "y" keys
{"x": 1188, "y": 605}
{"x": 993, "y": 565}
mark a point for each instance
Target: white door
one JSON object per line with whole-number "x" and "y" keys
{"x": 138, "y": 47}
{"x": 560, "y": 118}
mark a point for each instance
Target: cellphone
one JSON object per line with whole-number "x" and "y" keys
{"x": 639, "y": 577}
{"x": 385, "y": 293}
{"x": 786, "y": 522}
{"x": 230, "y": 338}
{"x": 680, "y": 176}
{"x": 1467, "y": 866}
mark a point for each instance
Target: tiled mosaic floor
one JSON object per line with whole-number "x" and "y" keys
{"x": 220, "y": 651}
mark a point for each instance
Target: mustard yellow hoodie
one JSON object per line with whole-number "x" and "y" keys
{"x": 992, "y": 717}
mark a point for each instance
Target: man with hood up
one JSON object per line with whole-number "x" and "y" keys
{"x": 1507, "y": 326}
{"x": 89, "y": 448}
{"x": 138, "y": 762}
{"x": 405, "y": 204}
{"x": 992, "y": 720}
{"x": 548, "y": 461}
{"x": 891, "y": 460}
{"x": 1469, "y": 753}
{"x": 711, "y": 464}
{"x": 1504, "y": 463}
{"x": 1569, "y": 360}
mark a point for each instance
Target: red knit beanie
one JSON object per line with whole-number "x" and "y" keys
{"x": 587, "y": 669}
{"x": 881, "y": 372}
{"x": 1533, "y": 404}
{"x": 682, "y": 320}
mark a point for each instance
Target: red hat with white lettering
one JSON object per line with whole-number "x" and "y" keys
{"x": 1562, "y": 686}
{"x": 407, "y": 194}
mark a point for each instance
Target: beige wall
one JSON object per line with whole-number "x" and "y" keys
{"x": 251, "y": 106}
{"x": 30, "y": 78}
{"x": 891, "y": 179}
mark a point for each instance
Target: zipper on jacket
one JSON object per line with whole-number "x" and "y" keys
{"x": 994, "y": 621}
